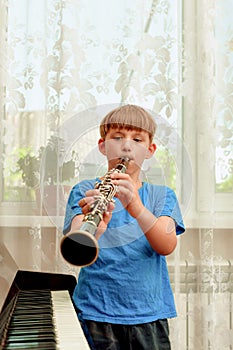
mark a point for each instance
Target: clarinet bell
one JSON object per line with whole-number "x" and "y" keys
{"x": 79, "y": 248}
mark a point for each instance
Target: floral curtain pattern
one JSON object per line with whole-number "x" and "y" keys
{"x": 63, "y": 65}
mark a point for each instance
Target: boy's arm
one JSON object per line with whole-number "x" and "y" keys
{"x": 160, "y": 232}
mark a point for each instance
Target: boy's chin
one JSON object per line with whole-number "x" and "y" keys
{"x": 132, "y": 165}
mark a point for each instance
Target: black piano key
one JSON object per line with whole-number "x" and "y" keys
{"x": 37, "y": 337}
{"x": 35, "y": 331}
{"x": 32, "y": 317}
{"x": 31, "y": 324}
{"x": 32, "y": 313}
{"x": 31, "y": 345}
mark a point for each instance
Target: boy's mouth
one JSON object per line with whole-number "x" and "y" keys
{"x": 126, "y": 157}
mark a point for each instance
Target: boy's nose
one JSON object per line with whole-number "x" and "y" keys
{"x": 127, "y": 145}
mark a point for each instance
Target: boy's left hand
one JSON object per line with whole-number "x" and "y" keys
{"x": 127, "y": 193}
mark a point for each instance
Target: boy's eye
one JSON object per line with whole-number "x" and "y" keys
{"x": 137, "y": 139}
{"x": 119, "y": 138}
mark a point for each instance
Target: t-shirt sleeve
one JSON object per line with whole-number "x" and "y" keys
{"x": 166, "y": 204}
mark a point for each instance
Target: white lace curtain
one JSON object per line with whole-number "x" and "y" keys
{"x": 63, "y": 65}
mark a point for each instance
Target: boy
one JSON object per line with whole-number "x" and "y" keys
{"x": 123, "y": 300}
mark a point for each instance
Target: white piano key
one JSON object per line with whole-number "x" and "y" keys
{"x": 67, "y": 327}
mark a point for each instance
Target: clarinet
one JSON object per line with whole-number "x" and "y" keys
{"x": 80, "y": 248}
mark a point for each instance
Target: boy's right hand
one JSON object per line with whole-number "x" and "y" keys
{"x": 86, "y": 202}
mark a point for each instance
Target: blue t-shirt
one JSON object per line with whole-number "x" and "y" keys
{"x": 129, "y": 282}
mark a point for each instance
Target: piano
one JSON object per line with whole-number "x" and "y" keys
{"x": 36, "y": 309}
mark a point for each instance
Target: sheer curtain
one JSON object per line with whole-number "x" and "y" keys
{"x": 65, "y": 64}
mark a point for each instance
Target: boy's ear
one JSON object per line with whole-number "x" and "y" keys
{"x": 151, "y": 150}
{"x": 101, "y": 145}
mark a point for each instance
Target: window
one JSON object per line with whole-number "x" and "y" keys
{"x": 66, "y": 58}
{"x": 207, "y": 111}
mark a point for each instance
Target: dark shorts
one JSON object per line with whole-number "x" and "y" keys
{"x": 107, "y": 336}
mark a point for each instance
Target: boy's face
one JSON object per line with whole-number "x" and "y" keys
{"x": 134, "y": 144}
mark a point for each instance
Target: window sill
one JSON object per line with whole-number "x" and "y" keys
{"x": 215, "y": 220}
{"x": 191, "y": 221}
{"x": 31, "y": 221}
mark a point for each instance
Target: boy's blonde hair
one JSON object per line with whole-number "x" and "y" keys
{"x": 131, "y": 117}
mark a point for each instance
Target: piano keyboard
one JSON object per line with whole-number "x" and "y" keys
{"x": 38, "y": 313}
{"x": 67, "y": 327}
{"x": 43, "y": 319}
